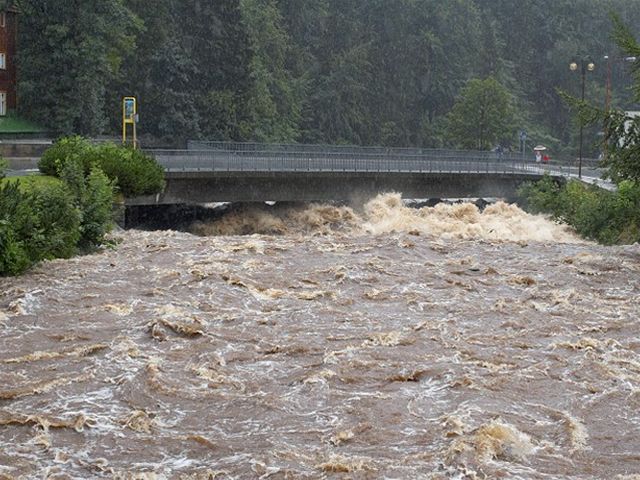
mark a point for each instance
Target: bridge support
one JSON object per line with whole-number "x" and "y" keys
{"x": 208, "y": 187}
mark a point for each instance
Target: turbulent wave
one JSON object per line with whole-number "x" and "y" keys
{"x": 281, "y": 220}
{"x": 387, "y": 214}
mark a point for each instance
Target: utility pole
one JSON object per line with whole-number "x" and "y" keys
{"x": 607, "y": 100}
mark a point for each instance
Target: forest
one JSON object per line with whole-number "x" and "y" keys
{"x": 364, "y": 72}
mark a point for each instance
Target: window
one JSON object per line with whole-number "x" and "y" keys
{"x": 3, "y": 104}
{"x": 3, "y": 19}
{"x": 3, "y": 61}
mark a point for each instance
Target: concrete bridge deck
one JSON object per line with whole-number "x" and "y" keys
{"x": 234, "y": 175}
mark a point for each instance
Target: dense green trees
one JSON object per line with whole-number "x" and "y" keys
{"x": 276, "y": 93}
{"x": 335, "y": 71}
{"x": 69, "y": 53}
{"x": 190, "y": 69}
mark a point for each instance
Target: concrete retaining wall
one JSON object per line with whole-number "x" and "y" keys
{"x": 23, "y": 149}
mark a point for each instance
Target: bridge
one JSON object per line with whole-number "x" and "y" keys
{"x": 209, "y": 172}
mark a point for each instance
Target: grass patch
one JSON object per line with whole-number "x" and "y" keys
{"x": 31, "y": 183}
{"x": 18, "y": 125}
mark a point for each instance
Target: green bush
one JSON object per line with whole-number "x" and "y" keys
{"x": 542, "y": 196}
{"x": 46, "y": 217}
{"x": 589, "y": 211}
{"x": 72, "y": 173}
{"x": 53, "y": 219}
{"x": 4, "y": 165}
{"x": 10, "y": 197}
{"x": 51, "y": 223}
{"x": 97, "y": 209}
{"x": 64, "y": 150}
{"x": 34, "y": 226}
{"x": 14, "y": 258}
{"x": 607, "y": 217}
{"x": 94, "y": 197}
{"x": 134, "y": 172}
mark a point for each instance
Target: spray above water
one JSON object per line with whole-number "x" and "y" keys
{"x": 388, "y": 214}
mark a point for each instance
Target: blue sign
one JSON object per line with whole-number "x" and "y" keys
{"x": 129, "y": 108}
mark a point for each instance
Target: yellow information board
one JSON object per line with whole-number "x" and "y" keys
{"x": 129, "y": 117}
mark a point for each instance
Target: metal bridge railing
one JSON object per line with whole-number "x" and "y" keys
{"x": 432, "y": 161}
{"x": 294, "y": 149}
{"x": 318, "y": 148}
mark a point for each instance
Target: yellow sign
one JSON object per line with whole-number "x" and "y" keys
{"x": 129, "y": 117}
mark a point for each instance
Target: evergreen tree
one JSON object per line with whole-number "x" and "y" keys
{"x": 276, "y": 97}
{"x": 216, "y": 39}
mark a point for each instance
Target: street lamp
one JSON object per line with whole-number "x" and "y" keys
{"x": 585, "y": 65}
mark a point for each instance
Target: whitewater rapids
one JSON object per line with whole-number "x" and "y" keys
{"x": 327, "y": 342}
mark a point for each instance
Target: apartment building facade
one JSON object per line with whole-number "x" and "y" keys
{"x": 8, "y": 47}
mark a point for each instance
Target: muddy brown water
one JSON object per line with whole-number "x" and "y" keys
{"x": 393, "y": 343}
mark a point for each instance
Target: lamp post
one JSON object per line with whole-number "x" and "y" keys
{"x": 585, "y": 65}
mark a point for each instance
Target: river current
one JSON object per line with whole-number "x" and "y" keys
{"x": 382, "y": 342}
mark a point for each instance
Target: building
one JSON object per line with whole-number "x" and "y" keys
{"x": 8, "y": 47}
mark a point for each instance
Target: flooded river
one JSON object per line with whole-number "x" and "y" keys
{"x": 386, "y": 342}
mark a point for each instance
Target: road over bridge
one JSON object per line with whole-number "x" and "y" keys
{"x": 228, "y": 172}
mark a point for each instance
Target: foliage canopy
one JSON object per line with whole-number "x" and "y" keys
{"x": 482, "y": 116}
{"x": 324, "y": 71}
